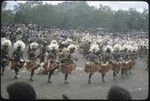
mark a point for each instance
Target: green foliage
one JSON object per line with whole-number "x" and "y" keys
{"x": 4, "y": 3}
{"x": 76, "y": 14}
{"x": 7, "y": 16}
{"x": 119, "y": 23}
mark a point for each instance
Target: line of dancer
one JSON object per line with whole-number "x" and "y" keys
{"x": 60, "y": 55}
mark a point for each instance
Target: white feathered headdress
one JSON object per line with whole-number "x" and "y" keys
{"x": 108, "y": 47}
{"x": 2, "y": 39}
{"x": 135, "y": 48}
{"x": 6, "y": 42}
{"x": 53, "y": 46}
{"x": 86, "y": 38}
{"x": 117, "y": 46}
{"x": 125, "y": 46}
{"x": 132, "y": 47}
{"x": 71, "y": 46}
{"x": 34, "y": 45}
{"x": 94, "y": 48}
{"x": 128, "y": 47}
{"x": 54, "y": 42}
{"x": 68, "y": 41}
{"x": 63, "y": 42}
{"x": 19, "y": 43}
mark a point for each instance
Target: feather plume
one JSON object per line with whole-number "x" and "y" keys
{"x": 54, "y": 42}
{"x": 71, "y": 46}
{"x": 6, "y": 42}
{"x": 108, "y": 47}
{"x": 94, "y": 48}
{"x": 19, "y": 43}
{"x": 53, "y": 46}
{"x": 34, "y": 45}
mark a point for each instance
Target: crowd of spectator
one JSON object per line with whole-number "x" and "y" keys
{"x": 34, "y": 32}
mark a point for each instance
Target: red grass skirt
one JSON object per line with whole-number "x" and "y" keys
{"x": 32, "y": 65}
{"x": 68, "y": 68}
{"x": 51, "y": 66}
{"x": 116, "y": 66}
{"x": 105, "y": 69}
{"x": 14, "y": 64}
{"x": 91, "y": 68}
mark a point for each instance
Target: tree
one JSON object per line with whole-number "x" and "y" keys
{"x": 7, "y": 16}
{"x": 76, "y": 14}
{"x": 119, "y": 21}
{"x": 4, "y": 3}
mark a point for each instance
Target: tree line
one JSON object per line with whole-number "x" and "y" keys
{"x": 75, "y": 14}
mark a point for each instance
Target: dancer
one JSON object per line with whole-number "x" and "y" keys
{"x": 32, "y": 63}
{"x": 17, "y": 60}
{"x": 6, "y": 43}
{"x": 67, "y": 63}
{"x": 92, "y": 65}
{"x": 52, "y": 63}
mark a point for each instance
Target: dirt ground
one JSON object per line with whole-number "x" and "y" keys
{"x": 78, "y": 87}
